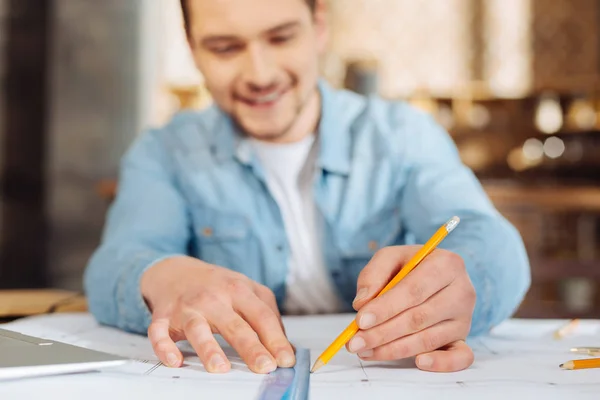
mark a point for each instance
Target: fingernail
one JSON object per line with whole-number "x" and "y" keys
{"x": 217, "y": 362}
{"x": 366, "y": 321}
{"x": 356, "y": 344}
{"x": 286, "y": 359}
{"x": 425, "y": 361}
{"x": 362, "y": 293}
{"x": 172, "y": 359}
{"x": 265, "y": 364}
{"x": 366, "y": 354}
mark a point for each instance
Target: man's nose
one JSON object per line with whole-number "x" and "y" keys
{"x": 259, "y": 70}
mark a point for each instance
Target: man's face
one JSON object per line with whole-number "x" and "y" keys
{"x": 259, "y": 59}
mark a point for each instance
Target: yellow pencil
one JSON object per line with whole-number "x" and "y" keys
{"x": 566, "y": 329}
{"x": 590, "y": 351}
{"x": 581, "y": 364}
{"x": 351, "y": 330}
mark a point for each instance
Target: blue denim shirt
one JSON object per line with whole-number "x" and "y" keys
{"x": 387, "y": 174}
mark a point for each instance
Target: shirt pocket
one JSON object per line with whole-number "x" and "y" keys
{"x": 381, "y": 229}
{"x": 225, "y": 239}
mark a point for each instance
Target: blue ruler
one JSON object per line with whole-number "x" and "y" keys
{"x": 288, "y": 383}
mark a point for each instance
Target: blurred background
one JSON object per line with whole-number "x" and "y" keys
{"x": 515, "y": 82}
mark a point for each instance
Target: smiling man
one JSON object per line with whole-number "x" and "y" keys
{"x": 289, "y": 196}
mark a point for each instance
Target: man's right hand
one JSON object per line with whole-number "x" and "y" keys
{"x": 192, "y": 300}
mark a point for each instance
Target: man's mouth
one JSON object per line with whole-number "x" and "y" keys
{"x": 264, "y": 101}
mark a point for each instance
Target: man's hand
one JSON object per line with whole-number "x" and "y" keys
{"x": 427, "y": 314}
{"x": 194, "y": 300}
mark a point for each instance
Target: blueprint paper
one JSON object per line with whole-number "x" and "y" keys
{"x": 518, "y": 359}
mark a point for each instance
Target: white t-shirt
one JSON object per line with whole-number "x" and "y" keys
{"x": 289, "y": 170}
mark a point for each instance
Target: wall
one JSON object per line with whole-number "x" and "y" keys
{"x": 514, "y": 46}
{"x": 418, "y": 44}
{"x": 3, "y": 12}
{"x": 23, "y": 128}
{"x": 95, "y": 106}
{"x": 173, "y": 67}
{"x": 566, "y": 43}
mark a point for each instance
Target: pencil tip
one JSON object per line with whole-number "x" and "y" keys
{"x": 561, "y": 365}
{"x": 318, "y": 364}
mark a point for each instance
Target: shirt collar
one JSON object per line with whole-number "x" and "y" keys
{"x": 334, "y": 138}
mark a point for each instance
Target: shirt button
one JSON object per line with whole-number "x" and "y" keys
{"x": 373, "y": 245}
{"x": 207, "y": 231}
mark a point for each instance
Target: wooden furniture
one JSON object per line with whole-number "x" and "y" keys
{"x": 547, "y": 198}
{"x": 559, "y": 225}
{"x": 22, "y": 303}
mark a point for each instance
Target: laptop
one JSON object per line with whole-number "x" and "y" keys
{"x": 23, "y": 356}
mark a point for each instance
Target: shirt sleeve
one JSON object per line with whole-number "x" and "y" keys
{"x": 438, "y": 186}
{"x": 147, "y": 222}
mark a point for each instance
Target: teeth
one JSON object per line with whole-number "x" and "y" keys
{"x": 266, "y": 99}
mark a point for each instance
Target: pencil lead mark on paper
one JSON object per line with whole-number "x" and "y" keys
{"x": 364, "y": 372}
{"x": 154, "y": 367}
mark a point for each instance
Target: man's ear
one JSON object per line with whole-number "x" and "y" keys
{"x": 320, "y": 16}
{"x": 193, "y": 50}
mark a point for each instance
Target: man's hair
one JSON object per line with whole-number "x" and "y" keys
{"x": 186, "y": 11}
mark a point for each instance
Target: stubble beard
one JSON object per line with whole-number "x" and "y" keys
{"x": 277, "y": 135}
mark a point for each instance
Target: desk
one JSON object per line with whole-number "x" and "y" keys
{"x": 518, "y": 360}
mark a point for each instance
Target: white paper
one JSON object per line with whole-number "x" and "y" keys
{"x": 519, "y": 359}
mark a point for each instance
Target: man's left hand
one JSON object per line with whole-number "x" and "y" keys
{"x": 427, "y": 314}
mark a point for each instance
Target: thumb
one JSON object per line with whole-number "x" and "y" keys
{"x": 379, "y": 271}
{"x": 453, "y": 357}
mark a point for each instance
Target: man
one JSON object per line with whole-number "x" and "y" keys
{"x": 289, "y": 195}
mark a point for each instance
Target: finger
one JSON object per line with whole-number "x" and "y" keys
{"x": 435, "y": 272}
{"x": 163, "y": 345}
{"x": 379, "y": 271}
{"x": 240, "y": 335}
{"x": 421, "y": 342}
{"x": 198, "y": 332}
{"x": 266, "y": 295}
{"x": 454, "y": 357}
{"x": 440, "y": 307}
{"x": 267, "y": 323}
